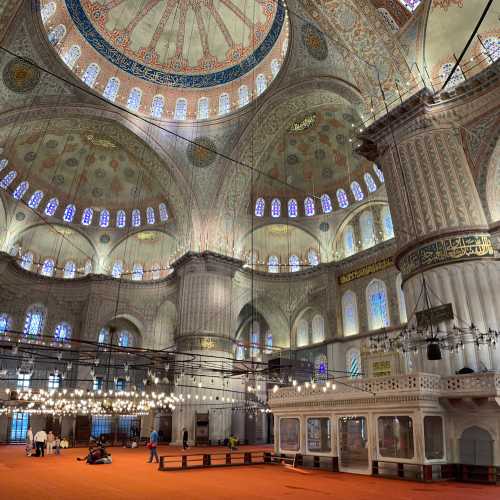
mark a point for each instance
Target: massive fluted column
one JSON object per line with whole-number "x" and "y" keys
{"x": 440, "y": 224}
{"x": 205, "y": 305}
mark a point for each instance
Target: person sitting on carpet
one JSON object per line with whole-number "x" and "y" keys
{"x": 97, "y": 456}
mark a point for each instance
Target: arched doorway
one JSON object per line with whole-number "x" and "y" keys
{"x": 476, "y": 447}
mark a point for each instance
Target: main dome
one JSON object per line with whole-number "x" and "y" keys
{"x": 203, "y": 47}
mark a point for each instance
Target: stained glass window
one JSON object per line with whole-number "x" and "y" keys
{"x": 88, "y": 267}
{"x": 51, "y": 207}
{"x": 71, "y": 56}
{"x": 326, "y": 204}
{"x": 47, "y": 11}
{"x": 134, "y": 99}
{"x": 23, "y": 382}
{"x": 370, "y": 183}
{"x": 349, "y": 313}
{"x": 162, "y": 208}
{"x": 121, "y": 219}
{"x": 275, "y": 67}
{"x": 104, "y": 218}
{"x": 309, "y": 208}
{"x": 69, "y": 213}
{"x": 273, "y": 264}
{"x": 48, "y": 267}
{"x": 101, "y": 426}
{"x": 121, "y": 384}
{"x": 27, "y": 261}
{"x": 293, "y": 208}
{"x": 136, "y": 217}
{"x": 8, "y": 179}
{"x": 260, "y": 205}
{"x": 357, "y": 191}
{"x": 457, "y": 78}
{"x": 378, "y": 173}
{"x": 387, "y": 223}
{"x": 157, "y": 106}
{"x": 284, "y": 48}
{"x": 137, "y": 272}
{"x": 294, "y": 263}
{"x": 312, "y": 257}
{"x": 62, "y": 333}
{"x": 54, "y": 382}
{"x": 367, "y": 229}
{"x": 224, "y": 104}
{"x": 5, "y": 322}
{"x": 90, "y": 75}
{"x": 150, "y": 215}
{"x": 321, "y": 371}
{"x": 20, "y": 191}
{"x": 255, "y": 338}
{"x": 349, "y": 241}
{"x": 378, "y": 311}
{"x": 15, "y": 250}
{"x": 275, "y": 208}
{"x": 490, "y": 48}
{"x": 57, "y": 34}
{"x": 69, "y": 270}
{"x": 156, "y": 271}
{"x": 34, "y": 321}
{"x": 302, "y": 333}
{"x": 318, "y": 329}
{"x": 117, "y": 270}
{"x": 203, "y": 108}
{"x": 269, "y": 343}
{"x": 411, "y": 5}
{"x": 243, "y": 96}
{"x": 35, "y": 199}
{"x": 342, "y": 198}
{"x": 180, "y": 109}
{"x": 87, "y": 216}
{"x": 260, "y": 83}
{"x": 111, "y": 89}
{"x": 354, "y": 363}
{"x": 103, "y": 337}
{"x": 124, "y": 339}
{"x": 240, "y": 352}
{"x": 3, "y": 163}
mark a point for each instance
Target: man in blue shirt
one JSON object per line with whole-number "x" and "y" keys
{"x": 153, "y": 446}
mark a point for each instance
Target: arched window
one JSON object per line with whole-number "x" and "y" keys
{"x": 260, "y": 83}
{"x": 350, "y": 314}
{"x": 134, "y": 99}
{"x": 20, "y": 190}
{"x": 370, "y": 183}
{"x": 411, "y": 5}
{"x": 203, "y": 108}
{"x": 104, "y": 218}
{"x": 47, "y": 11}
{"x": 69, "y": 269}
{"x": 48, "y": 267}
{"x": 240, "y": 352}
{"x": 284, "y": 47}
{"x": 269, "y": 343}
{"x": 3, "y": 163}
{"x": 87, "y": 216}
{"x": 8, "y": 179}
{"x": 150, "y": 216}
{"x": 157, "y": 106}
{"x": 51, "y": 207}
{"x": 321, "y": 367}
{"x": 137, "y": 272}
{"x": 156, "y": 271}
{"x": 88, "y": 267}
{"x": 457, "y": 78}
{"x": 243, "y": 96}
{"x": 162, "y": 208}
{"x": 349, "y": 241}
{"x": 293, "y": 208}
{"x": 309, "y": 208}
{"x": 275, "y": 208}
{"x": 367, "y": 229}
{"x": 357, "y": 191}
{"x": 69, "y": 213}
{"x": 15, "y": 250}
{"x": 224, "y": 104}
{"x": 490, "y": 48}
{"x": 180, "y": 109}
{"x": 71, "y": 56}
{"x": 312, "y": 257}
{"x": 121, "y": 219}
{"x": 117, "y": 270}
{"x": 136, "y": 217}
{"x": 260, "y": 205}
{"x": 275, "y": 67}
{"x": 5, "y": 323}
{"x": 34, "y": 321}
{"x": 111, "y": 89}
{"x": 302, "y": 333}
{"x": 124, "y": 339}
{"x": 353, "y": 362}
{"x": 318, "y": 329}
{"x": 389, "y": 20}
{"x": 273, "y": 264}
{"x": 378, "y": 309}
{"x": 57, "y": 34}
{"x": 35, "y": 199}
{"x": 387, "y": 225}
{"x": 255, "y": 338}
{"x": 294, "y": 263}
{"x": 27, "y": 261}
{"x": 62, "y": 332}
{"x": 342, "y": 198}
{"x": 401, "y": 299}
{"x": 90, "y": 75}
{"x": 103, "y": 337}
{"x": 378, "y": 173}
{"x": 326, "y": 204}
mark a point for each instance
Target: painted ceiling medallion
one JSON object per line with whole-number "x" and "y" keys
{"x": 20, "y": 77}
{"x": 188, "y": 43}
{"x": 202, "y": 152}
{"x": 315, "y": 42}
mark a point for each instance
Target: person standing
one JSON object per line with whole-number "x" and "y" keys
{"x": 29, "y": 442}
{"x": 185, "y": 439}
{"x": 40, "y": 440}
{"x": 57, "y": 445}
{"x": 153, "y": 447}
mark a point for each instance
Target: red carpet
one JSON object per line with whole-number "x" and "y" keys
{"x": 130, "y": 477}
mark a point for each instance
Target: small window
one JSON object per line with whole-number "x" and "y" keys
{"x": 490, "y": 48}
{"x": 5, "y": 323}
{"x": 150, "y": 216}
{"x": 357, "y": 191}
{"x": 136, "y": 217}
{"x": 302, "y": 333}
{"x": 312, "y": 257}
{"x": 87, "y": 216}
{"x": 162, "y": 208}
{"x": 134, "y": 99}
{"x": 90, "y": 75}
{"x": 137, "y": 272}
{"x": 367, "y": 229}
{"x": 275, "y": 208}
{"x": 34, "y": 321}
{"x": 378, "y": 308}
{"x": 62, "y": 332}
{"x": 156, "y": 271}
{"x": 260, "y": 84}
{"x": 224, "y": 104}
{"x": 157, "y": 106}
{"x": 309, "y": 208}
{"x": 88, "y": 267}
{"x": 98, "y": 384}
{"x": 395, "y": 437}
{"x": 20, "y": 191}
{"x": 318, "y": 329}
{"x": 103, "y": 337}
{"x": 117, "y": 270}
{"x": 54, "y": 382}
{"x": 71, "y": 56}
{"x": 243, "y": 96}
{"x": 354, "y": 363}
{"x": 27, "y": 261}
{"x": 387, "y": 225}
{"x": 35, "y": 199}
{"x": 57, "y": 34}
{"x": 293, "y": 208}
{"x": 121, "y": 219}
{"x": 260, "y": 205}
{"x": 48, "y": 267}
{"x": 120, "y": 385}
{"x": 8, "y": 179}
{"x": 69, "y": 213}
{"x": 294, "y": 263}
{"x": 349, "y": 314}
{"x": 203, "y": 108}
{"x": 180, "y": 109}
{"x": 111, "y": 89}
{"x": 51, "y": 207}
{"x": 47, "y": 11}
{"x": 124, "y": 339}
{"x": 273, "y": 265}
{"x": 275, "y": 67}
{"x": 3, "y": 164}
{"x": 342, "y": 198}
{"x": 378, "y": 173}
{"x": 370, "y": 183}
{"x": 23, "y": 381}
{"x": 411, "y": 5}
{"x": 326, "y": 204}
{"x": 69, "y": 270}
{"x": 104, "y": 218}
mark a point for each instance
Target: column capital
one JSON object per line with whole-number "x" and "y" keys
{"x": 207, "y": 262}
